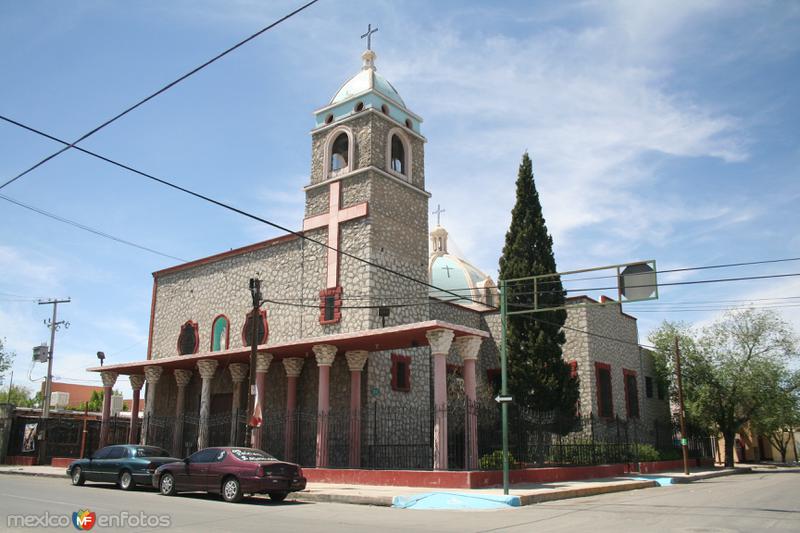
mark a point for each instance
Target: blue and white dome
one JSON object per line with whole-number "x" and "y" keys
{"x": 455, "y": 274}
{"x": 367, "y": 90}
{"x": 368, "y": 78}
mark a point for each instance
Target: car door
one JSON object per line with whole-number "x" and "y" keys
{"x": 113, "y": 463}
{"x": 195, "y": 468}
{"x": 215, "y": 469}
{"x": 94, "y": 468}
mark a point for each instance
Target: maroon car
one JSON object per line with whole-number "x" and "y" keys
{"x": 231, "y": 472}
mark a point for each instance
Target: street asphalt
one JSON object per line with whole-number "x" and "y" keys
{"x": 760, "y": 501}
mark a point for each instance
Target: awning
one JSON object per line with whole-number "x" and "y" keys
{"x": 391, "y": 338}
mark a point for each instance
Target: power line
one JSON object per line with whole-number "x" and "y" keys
{"x": 670, "y": 270}
{"x": 354, "y": 257}
{"x": 88, "y": 228}
{"x": 158, "y": 92}
{"x": 670, "y": 284}
{"x": 693, "y": 302}
{"x": 370, "y": 263}
{"x": 237, "y": 210}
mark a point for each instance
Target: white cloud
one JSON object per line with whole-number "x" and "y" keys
{"x": 591, "y": 120}
{"x": 30, "y": 268}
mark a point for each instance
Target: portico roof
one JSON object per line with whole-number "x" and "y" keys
{"x": 391, "y": 338}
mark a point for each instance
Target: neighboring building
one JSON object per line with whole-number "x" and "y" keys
{"x": 78, "y": 394}
{"x": 340, "y": 380}
{"x": 617, "y": 377}
{"x": 751, "y": 448}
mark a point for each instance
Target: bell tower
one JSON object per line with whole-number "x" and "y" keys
{"x": 367, "y": 197}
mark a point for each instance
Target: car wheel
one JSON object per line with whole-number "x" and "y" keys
{"x": 167, "y": 485}
{"x": 231, "y": 490}
{"x": 77, "y": 476}
{"x": 278, "y": 496}
{"x": 126, "y": 481}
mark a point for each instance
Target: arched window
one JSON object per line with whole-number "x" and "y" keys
{"x": 398, "y": 155}
{"x": 188, "y": 340}
{"x": 262, "y": 329}
{"x": 220, "y": 330}
{"x": 339, "y": 152}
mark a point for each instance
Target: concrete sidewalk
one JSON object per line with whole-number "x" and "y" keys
{"x": 383, "y": 495}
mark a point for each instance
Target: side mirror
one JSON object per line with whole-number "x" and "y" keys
{"x": 186, "y": 461}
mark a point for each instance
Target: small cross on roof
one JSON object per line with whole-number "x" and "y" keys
{"x": 368, "y": 35}
{"x": 438, "y": 212}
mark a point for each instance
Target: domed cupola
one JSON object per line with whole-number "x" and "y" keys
{"x": 367, "y": 90}
{"x": 455, "y": 274}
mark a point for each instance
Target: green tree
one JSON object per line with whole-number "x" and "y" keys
{"x": 96, "y": 401}
{"x": 539, "y": 379}
{"x": 6, "y": 360}
{"x": 780, "y": 413}
{"x": 19, "y": 396}
{"x": 733, "y": 370}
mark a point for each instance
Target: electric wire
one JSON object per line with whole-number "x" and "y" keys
{"x": 88, "y": 228}
{"x": 158, "y": 92}
{"x": 218, "y": 203}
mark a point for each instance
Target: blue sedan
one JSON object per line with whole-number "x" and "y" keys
{"x": 127, "y": 465}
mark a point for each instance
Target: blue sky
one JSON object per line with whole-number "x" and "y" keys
{"x": 664, "y": 130}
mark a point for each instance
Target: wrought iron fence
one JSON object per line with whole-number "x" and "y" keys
{"x": 64, "y": 436}
{"x": 401, "y": 437}
{"x": 397, "y": 437}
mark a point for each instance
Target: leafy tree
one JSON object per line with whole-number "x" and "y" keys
{"x": 96, "y": 401}
{"x": 19, "y": 396}
{"x": 733, "y": 370}
{"x": 6, "y": 359}
{"x": 539, "y": 379}
{"x": 781, "y": 414}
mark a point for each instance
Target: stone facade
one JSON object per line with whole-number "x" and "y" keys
{"x": 393, "y": 233}
{"x": 585, "y": 349}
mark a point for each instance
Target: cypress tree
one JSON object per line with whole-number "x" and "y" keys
{"x": 539, "y": 379}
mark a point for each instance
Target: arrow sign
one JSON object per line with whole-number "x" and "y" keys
{"x": 503, "y": 399}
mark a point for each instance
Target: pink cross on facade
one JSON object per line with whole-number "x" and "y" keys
{"x": 332, "y": 219}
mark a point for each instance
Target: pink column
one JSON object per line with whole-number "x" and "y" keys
{"x": 293, "y": 367}
{"x": 325, "y": 354}
{"x": 109, "y": 378}
{"x": 355, "y": 361}
{"x": 468, "y": 348}
{"x": 263, "y": 360}
{"x": 440, "y": 340}
{"x": 137, "y": 381}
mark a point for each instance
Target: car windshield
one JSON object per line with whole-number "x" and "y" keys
{"x": 151, "y": 451}
{"x": 251, "y": 454}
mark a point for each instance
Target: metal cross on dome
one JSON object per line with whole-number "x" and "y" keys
{"x": 438, "y": 212}
{"x": 368, "y": 35}
{"x": 448, "y": 268}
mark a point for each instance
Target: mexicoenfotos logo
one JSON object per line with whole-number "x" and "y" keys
{"x": 84, "y": 520}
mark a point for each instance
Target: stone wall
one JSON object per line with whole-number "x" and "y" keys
{"x": 577, "y": 349}
{"x": 622, "y": 353}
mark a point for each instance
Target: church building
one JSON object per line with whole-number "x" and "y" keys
{"x": 365, "y": 359}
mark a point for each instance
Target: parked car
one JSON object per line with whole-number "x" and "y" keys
{"x": 124, "y": 464}
{"x": 232, "y": 473}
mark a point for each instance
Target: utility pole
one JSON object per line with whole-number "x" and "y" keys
{"x": 684, "y": 441}
{"x": 54, "y": 325}
{"x": 504, "y": 380}
{"x": 255, "y": 292}
{"x": 636, "y": 282}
